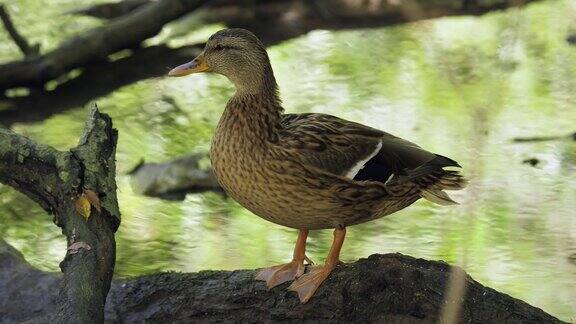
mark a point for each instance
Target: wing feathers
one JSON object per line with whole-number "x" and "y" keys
{"x": 363, "y": 153}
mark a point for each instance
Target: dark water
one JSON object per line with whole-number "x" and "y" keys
{"x": 462, "y": 87}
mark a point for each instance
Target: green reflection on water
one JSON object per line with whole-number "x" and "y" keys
{"x": 462, "y": 87}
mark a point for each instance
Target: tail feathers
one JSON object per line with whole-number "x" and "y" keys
{"x": 437, "y": 196}
{"x": 432, "y": 180}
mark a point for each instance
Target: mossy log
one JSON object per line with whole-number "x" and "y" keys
{"x": 390, "y": 288}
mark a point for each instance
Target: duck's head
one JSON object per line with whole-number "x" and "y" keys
{"x": 238, "y": 55}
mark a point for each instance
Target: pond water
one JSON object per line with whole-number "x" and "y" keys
{"x": 462, "y": 87}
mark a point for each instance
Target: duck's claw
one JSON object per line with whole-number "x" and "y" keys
{"x": 280, "y": 274}
{"x": 307, "y": 284}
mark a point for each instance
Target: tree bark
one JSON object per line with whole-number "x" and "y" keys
{"x": 390, "y": 288}
{"x": 56, "y": 180}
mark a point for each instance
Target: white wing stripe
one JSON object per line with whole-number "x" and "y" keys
{"x": 360, "y": 164}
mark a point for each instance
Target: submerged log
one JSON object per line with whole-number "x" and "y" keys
{"x": 390, "y": 288}
{"x": 174, "y": 179}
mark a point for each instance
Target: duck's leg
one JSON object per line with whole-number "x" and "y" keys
{"x": 279, "y": 274}
{"x": 307, "y": 284}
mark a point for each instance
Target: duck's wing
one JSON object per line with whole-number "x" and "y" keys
{"x": 363, "y": 153}
{"x": 327, "y": 142}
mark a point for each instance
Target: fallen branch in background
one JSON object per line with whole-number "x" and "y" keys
{"x": 79, "y": 188}
{"x": 174, "y": 179}
{"x": 276, "y": 21}
{"x": 19, "y": 40}
{"x": 390, "y": 288}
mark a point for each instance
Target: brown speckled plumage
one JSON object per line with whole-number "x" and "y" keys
{"x": 308, "y": 171}
{"x": 290, "y": 169}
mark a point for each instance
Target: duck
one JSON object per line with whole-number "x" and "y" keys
{"x": 308, "y": 171}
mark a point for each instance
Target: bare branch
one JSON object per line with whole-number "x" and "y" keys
{"x": 126, "y": 32}
{"x": 272, "y": 20}
{"x": 103, "y": 78}
{"x": 21, "y": 42}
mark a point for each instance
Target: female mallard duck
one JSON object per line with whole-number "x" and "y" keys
{"x": 307, "y": 171}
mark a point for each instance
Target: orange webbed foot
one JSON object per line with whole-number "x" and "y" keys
{"x": 280, "y": 274}
{"x": 308, "y": 283}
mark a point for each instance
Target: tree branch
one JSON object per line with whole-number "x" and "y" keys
{"x": 390, "y": 288}
{"x": 277, "y": 20}
{"x": 103, "y": 78}
{"x": 36, "y": 170}
{"x": 272, "y": 20}
{"x": 21, "y": 42}
{"x": 56, "y": 180}
{"x": 112, "y": 10}
{"x": 126, "y": 32}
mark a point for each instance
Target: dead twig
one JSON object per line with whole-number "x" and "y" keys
{"x": 27, "y": 49}
{"x": 544, "y": 138}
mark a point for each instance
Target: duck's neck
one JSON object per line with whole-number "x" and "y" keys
{"x": 254, "y": 112}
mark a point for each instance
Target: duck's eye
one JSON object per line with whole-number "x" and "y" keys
{"x": 218, "y": 47}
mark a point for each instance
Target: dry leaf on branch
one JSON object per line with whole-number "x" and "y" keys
{"x": 86, "y": 201}
{"x": 93, "y": 199}
{"x": 82, "y": 206}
